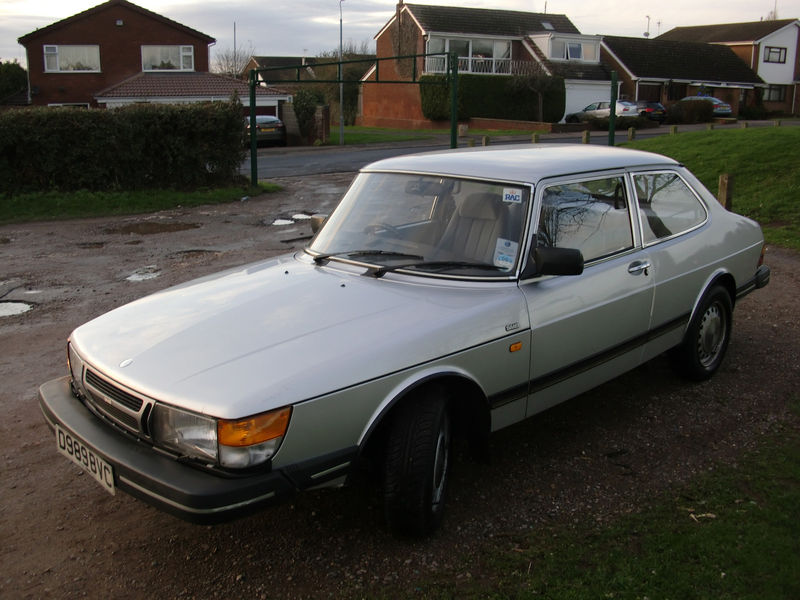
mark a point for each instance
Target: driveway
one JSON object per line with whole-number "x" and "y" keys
{"x": 592, "y": 459}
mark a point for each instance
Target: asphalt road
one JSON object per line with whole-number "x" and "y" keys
{"x": 308, "y": 160}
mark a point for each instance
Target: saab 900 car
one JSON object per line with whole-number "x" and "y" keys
{"x": 449, "y": 294}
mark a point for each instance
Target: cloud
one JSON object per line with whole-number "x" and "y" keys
{"x": 308, "y": 27}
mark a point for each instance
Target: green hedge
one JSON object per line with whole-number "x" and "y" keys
{"x": 490, "y": 96}
{"x": 138, "y": 147}
{"x": 690, "y": 111}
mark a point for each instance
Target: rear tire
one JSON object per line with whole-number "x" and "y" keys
{"x": 703, "y": 349}
{"x": 417, "y": 465}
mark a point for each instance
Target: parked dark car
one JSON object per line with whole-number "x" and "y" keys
{"x": 651, "y": 110}
{"x": 269, "y": 129}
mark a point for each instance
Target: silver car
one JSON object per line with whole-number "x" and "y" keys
{"x": 449, "y": 294}
{"x": 602, "y": 110}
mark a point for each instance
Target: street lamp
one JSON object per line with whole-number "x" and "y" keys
{"x": 341, "y": 83}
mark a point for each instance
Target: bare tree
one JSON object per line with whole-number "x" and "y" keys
{"x": 232, "y": 62}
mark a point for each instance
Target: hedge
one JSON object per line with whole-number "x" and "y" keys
{"x": 490, "y": 96}
{"x": 145, "y": 146}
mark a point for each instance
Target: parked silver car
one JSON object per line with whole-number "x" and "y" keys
{"x": 602, "y": 110}
{"x": 449, "y": 294}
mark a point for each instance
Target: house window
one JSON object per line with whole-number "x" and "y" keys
{"x": 69, "y": 59}
{"x": 474, "y": 55}
{"x": 773, "y": 54}
{"x": 775, "y": 93}
{"x": 168, "y": 58}
{"x": 570, "y": 50}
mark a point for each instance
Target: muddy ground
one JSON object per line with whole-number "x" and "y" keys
{"x": 594, "y": 458}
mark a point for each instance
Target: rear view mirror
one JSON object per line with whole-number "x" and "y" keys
{"x": 554, "y": 261}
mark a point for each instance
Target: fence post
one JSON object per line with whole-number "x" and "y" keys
{"x": 535, "y": 138}
{"x": 586, "y": 136}
{"x": 725, "y": 193}
{"x": 485, "y": 140}
{"x": 673, "y": 129}
{"x": 631, "y": 134}
{"x": 776, "y": 123}
{"x": 745, "y": 124}
{"x": 709, "y": 126}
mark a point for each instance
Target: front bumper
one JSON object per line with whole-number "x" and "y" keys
{"x": 177, "y": 488}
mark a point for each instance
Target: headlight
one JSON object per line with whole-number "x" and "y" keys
{"x": 236, "y": 444}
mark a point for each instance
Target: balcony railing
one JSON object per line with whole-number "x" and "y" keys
{"x": 474, "y": 64}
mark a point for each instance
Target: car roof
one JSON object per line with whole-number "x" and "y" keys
{"x": 528, "y": 163}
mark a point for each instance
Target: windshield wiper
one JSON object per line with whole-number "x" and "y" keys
{"x": 321, "y": 258}
{"x": 438, "y": 266}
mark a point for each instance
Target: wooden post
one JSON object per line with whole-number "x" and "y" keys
{"x": 586, "y": 137}
{"x": 709, "y": 126}
{"x": 745, "y": 124}
{"x": 471, "y": 142}
{"x": 725, "y": 194}
{"x": 631, "y": 133}
{"x": 776, "y": 123}
{"x": 535, "y": 138}
{"x": 485, "y": 140}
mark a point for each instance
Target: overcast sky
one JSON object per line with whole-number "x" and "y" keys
{"x": 308, "y": 27}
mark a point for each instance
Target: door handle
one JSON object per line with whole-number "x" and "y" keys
{"x": 639, "y": 266}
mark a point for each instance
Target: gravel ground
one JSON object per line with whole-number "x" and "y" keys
{"x": 596, "y": 457}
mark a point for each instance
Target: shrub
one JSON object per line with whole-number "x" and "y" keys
{"x": 138, "y": 147}
{"x": 491, "y": 97}
{"x": 690, "y": 111}
{"x": 305, "y": 108}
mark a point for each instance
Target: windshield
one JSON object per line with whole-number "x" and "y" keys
{"x": 431, "y": 225}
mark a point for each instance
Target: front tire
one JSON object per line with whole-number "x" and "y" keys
{"x": 417, "y": 465}
{"x": 703, "y": 349}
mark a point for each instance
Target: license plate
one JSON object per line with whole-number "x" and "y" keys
{"x": 267, "y": 129}
{"x": 83, "y": 456}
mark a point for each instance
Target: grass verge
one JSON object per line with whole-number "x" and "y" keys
{"x": 733, "y": 534}
{"x": 765, "y": 166}
{"x": 53, "y": 205}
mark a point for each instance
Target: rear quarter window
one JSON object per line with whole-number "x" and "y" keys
{"x": 667, "y": 206}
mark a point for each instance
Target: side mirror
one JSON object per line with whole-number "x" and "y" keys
{"x": 317, "y": 220}
{"x": 553, "y": 261}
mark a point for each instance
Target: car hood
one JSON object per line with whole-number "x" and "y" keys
{"x": 285, "y": 330}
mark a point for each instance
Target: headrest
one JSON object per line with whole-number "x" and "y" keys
{"x": 481, "y": 205}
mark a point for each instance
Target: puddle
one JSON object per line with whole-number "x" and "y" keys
{"x": 143, "y": 274}
{"x": 10, "y": 308}
{"x": 301, "y": 217}
{"x": 149, "y": 228}
{"x": 283, "y": 222}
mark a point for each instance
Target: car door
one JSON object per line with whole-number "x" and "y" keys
{"x": 591, "y": 327}
{"x": 672, "y": 217}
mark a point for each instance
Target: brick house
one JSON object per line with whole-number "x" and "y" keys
{"x": 119, "y": 53}
{"x": 492, "y": 42}
{"x": 770, "y": 48}
{"x": 666, "y": 71}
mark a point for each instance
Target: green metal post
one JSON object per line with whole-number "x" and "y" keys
{"x": 453, "y": 100}
{"x": 612, "y": 116}
{"x": 253, "y": 145}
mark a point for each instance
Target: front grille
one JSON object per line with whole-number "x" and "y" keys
{"x": 116, "y": 404}
{"x": 128, "y": 400}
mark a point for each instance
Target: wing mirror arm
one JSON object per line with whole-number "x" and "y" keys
{"x": 553, "y": 261}
{"x": 317, "y": 221}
